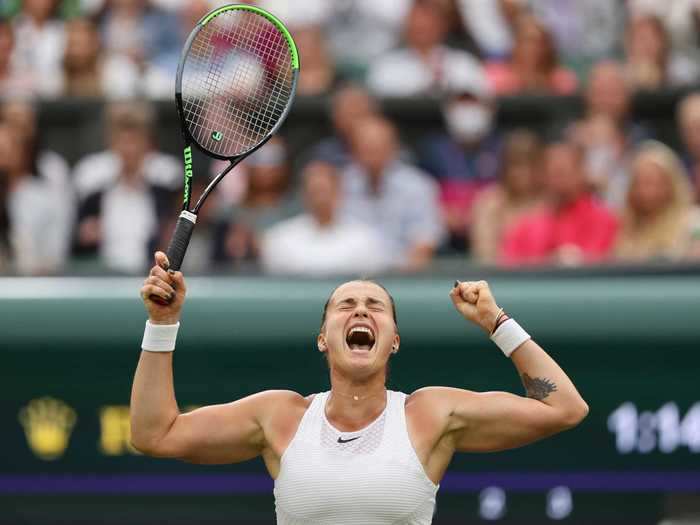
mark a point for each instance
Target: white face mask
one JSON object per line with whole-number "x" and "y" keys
{"x": 468, "y": 122}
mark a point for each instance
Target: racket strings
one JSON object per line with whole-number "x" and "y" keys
{"x": 236, "y": 83}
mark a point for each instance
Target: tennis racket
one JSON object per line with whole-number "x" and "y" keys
{"x": 235, "y": 85}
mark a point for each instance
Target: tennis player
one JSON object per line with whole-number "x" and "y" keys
{"x": 359, "y": 453}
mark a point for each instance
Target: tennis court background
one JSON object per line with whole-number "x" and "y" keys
{"x": 630, "y": 343}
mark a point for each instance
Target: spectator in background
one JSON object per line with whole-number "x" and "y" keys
{"x": 466, "y": 158}
{"x": 39, "y": 42}
{"x": 489, "y": 24}
{"x": 301, "y": 14}
{"x": 385, "y": 193}
{"x": 128, "y": 193}
{"x": 14, "y": 81}
{"x": 318, "y": 242}
{"x": 659, "y": 221}
{"x": 534, "y": 65}
{"x": 89, "y": 73}
{"x": 607, "y": 132}
{"x": 689, "y": 124}
{"x": 318, "y": 74}
{"x": 606, "y": 157}
{"x": 516, "y": 194}
{"x": 420, "y": 67}
{"x": 349, "y": 104}
{"x": 149, "y": 38}
{"x": 20, "y": 116}
{"x": 361, "y": 31}
{"x": 681, "y": 18}
{"x": 609, "y": 94}
{"x": 650, "y": 62}
{"x": 267, "y": 200}
{"x": 574, "y": 227}
{"x": 583, "y": 31}
{"x": 35, "y": 222}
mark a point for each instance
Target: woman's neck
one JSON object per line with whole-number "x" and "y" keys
{"x": 352, "y": 405}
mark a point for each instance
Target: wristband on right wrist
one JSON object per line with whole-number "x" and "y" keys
{"x": 159, "y": 337}
{"x": 509, "y": 336}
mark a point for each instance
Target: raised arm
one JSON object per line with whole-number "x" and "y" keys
{"x": 215, "y": 434}
{"x": 492, "y": 421}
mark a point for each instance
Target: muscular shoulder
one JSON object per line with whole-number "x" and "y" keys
{"x": 281, "y": 407}
{"x": 448, "y": 409}
{"x": 435, "y": 405}
{"x": 282, "y": 400}
{"x": 441, "y": 398}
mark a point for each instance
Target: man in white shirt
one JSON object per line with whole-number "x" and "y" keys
{"x": 420, "y": 67}
{"x": 128, "y": 193}
{"x": 318, "y": 242}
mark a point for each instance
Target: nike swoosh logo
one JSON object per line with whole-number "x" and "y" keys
{"x": 341, "y": 440}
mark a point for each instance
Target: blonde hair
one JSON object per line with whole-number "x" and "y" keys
{"x": 662, "y": 235}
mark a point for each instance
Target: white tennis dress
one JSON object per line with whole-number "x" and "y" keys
{"x": 367, "y": 477}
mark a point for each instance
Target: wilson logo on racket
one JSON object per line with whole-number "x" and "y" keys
{"x": 217, "y": 136}
{"x": 188, "y": 171}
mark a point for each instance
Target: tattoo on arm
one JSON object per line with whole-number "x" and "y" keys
{"x": 538, "y": 388}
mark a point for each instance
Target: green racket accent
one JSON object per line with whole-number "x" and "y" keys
{"x": 272, "y": 18}
{"x": 217, "y": 136}
{"x": 187, "y": 153}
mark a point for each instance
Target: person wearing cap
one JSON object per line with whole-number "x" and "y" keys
{"x": 465, "y": 158}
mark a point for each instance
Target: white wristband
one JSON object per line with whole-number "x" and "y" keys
{"x": 509, "y": 336}
{"x": 159, "y": 337}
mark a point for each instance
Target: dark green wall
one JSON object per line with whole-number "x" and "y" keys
{"x": 77, "y": 340}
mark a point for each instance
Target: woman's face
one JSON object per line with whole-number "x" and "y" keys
{"x": 359, "y": 333}
{"x": 651, "y": 190}
{"x": 519, "y": 177}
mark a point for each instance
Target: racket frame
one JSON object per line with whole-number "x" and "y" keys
{"x": 188, "y": 217}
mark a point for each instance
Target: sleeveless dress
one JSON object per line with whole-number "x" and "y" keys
{"x": 367, "y": 477}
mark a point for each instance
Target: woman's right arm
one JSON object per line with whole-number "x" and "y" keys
{"x": 226, "y": 433}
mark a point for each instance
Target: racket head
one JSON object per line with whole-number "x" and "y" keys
{"x": 236, "y": 81}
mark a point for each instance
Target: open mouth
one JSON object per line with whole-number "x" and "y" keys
{"x": 360, "y": 338}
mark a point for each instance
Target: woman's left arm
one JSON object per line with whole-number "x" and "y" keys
{"x": 498, "y": 420}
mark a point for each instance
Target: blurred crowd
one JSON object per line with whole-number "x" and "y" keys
{"x": 600, "y": 189}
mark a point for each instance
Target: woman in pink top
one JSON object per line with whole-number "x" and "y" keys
{"x": 534, "y": 64}
{"x": 573, "y": 228}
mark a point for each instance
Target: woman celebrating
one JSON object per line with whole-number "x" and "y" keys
{"x": 359, "y": 453}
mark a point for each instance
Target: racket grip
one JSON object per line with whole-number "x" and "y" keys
{"x": 180, "y": 239}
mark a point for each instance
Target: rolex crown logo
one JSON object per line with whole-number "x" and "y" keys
{"x": 48, "y": 424}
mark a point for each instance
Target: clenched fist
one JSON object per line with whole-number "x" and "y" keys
{"x": 163, "y": 292}
{"x": 476, "y": 303}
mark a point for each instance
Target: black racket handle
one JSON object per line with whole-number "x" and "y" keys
{"x": 181, "y": 239}
{"x": 178, "y": 246}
